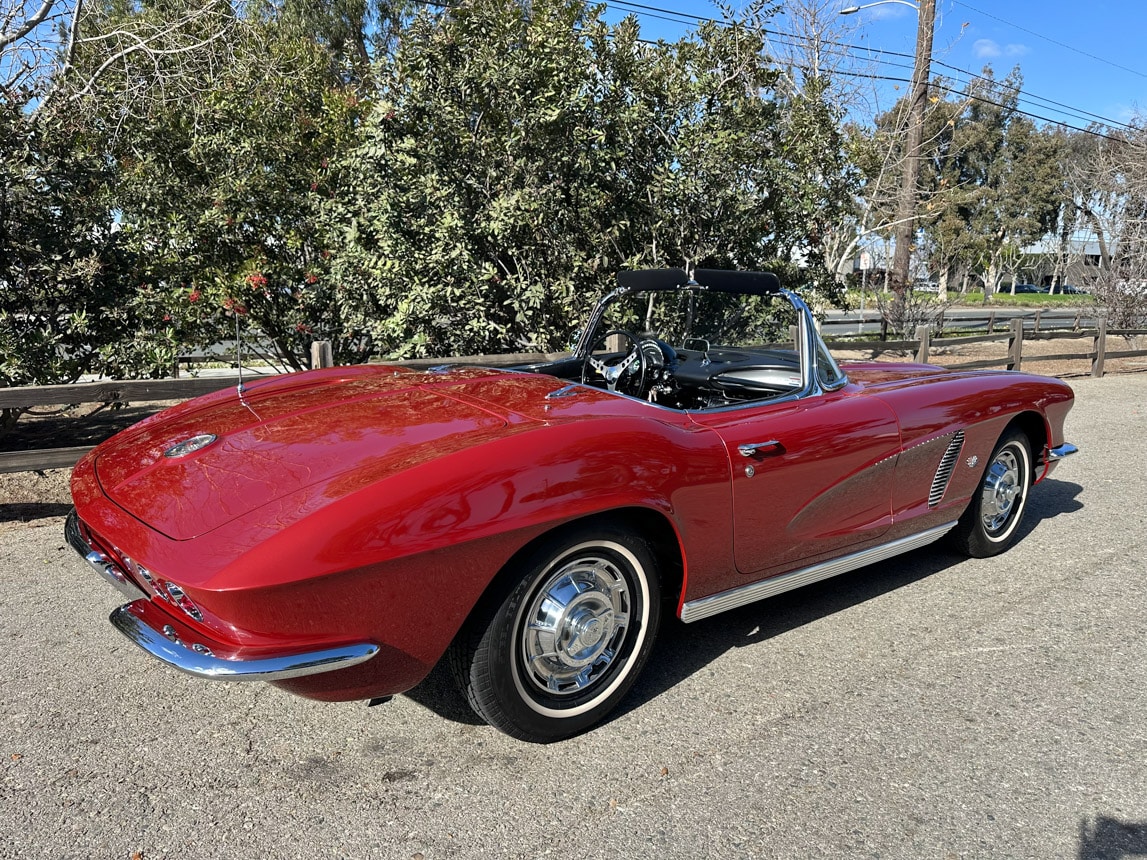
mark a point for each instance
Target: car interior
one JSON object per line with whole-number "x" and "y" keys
{"x": 687, "y": 346}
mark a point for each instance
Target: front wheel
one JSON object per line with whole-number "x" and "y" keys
{"x": 567, "y": 641}
{"x": 991, "y": 522}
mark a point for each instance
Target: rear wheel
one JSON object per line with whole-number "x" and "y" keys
{"x": 991, "y": 522}
{"x": 567, "y": 640}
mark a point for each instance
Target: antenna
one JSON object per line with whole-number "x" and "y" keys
{"x": 239, "y": 356}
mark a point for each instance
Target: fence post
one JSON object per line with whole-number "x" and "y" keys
{"x": 1016, "y": 344}
{"x": 1078, "y": 313}
{"x": 794, "y": 333}
{"x": 923, "y": 334}
{"x": 321, "y": 354}
{"x": 1100, "y": 347}
{"x": 940, "y": 324}
{"x": 1038, "y": 315}
{"x": 991, "y": 322}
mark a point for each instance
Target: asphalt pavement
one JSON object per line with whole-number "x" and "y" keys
{"x": 927, "y": 707}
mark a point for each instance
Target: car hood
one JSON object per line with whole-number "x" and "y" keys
{"x": 283, "y": 436}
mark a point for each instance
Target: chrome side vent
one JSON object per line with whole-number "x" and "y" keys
{"x": 944, "y": 472}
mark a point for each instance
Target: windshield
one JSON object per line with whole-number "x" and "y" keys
{"x": 737, "y": 338}
{"x": 683, "y": 318}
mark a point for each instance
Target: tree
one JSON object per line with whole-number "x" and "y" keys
{"x": 65, "y": 282}
{"x": 220, "y": 183}
{"x": 997, "y": 180}
{"x": 1109, "y": 184}
{"x": 514, "y": 161}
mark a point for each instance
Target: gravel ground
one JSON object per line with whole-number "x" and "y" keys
{"x": 927, "y": 707}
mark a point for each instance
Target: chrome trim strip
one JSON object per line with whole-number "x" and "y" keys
{"x": 100, "y": 563}
{"x": 202, "y": 664}
{"x": 1061, "y": 451}
{"x": 945, "y": 469}
{"x": 703, "y": 607}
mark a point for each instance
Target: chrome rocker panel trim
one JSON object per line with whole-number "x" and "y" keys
{"x": 703, "y": 607}
{"x": 202, "y": 664}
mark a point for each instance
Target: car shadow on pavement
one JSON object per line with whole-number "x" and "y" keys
{"x": 438, "y": 693}
{"x": 684, "y": 649}
{"x": 1107, "y": 838}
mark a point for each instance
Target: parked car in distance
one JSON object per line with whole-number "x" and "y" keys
{"x": 1069, "y": 290}
{"x": 341, "y": 532}
{"x": 1027, "y": 288}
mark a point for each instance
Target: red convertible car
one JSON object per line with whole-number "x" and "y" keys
{"x": 339, "y": 532}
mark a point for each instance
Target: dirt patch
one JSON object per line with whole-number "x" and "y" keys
{"x": 35, "y": 498}
{"x": 1039, "y": 356}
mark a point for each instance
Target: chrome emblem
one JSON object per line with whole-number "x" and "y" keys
{"x": 972, "y": 461}
{"x": 190, "y": 446}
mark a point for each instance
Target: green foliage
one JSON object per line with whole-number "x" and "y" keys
{"x": 219, "y": 194}
{"x": 513, "y": 163}
{"x": 990, "y": 184}
{"x": 68, "y": 297}
{"x": 65, "y": 282}
{"x": 469, "y": 185}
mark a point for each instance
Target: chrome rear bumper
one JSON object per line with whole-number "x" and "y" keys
{"x": 147, "y": 624}
{"x": 100, "y": 563}
{"x": 198, "y": 660}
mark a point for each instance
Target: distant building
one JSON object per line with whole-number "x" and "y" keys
{"x": 1077, "y": 264}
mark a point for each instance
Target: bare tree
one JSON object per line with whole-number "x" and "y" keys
{"x": 1109, "y": 186}
{"x": 62, "y": 49}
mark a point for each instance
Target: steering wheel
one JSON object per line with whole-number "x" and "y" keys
{"x": 626, "y": 374}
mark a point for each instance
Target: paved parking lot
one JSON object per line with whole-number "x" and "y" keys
{"x": 928, "y": 707}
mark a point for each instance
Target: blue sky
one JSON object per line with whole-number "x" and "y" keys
{"x": 1089, "y": 56}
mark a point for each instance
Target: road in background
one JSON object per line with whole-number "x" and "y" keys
{"x": 929, "y": 706}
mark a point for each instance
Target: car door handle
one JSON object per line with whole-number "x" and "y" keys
{"x": 757, "y": 449}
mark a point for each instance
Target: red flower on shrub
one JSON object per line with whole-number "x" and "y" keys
{"x": 236, "y": 307}
{"x": 303, "y": 328}
{"x": 257, "y": 280}
{"x": 312, "y": 278}
{"x": 194, "y": 296}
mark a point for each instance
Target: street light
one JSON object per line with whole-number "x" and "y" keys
{"x": 850, "y": 10}
{"x": 906, "y": 203}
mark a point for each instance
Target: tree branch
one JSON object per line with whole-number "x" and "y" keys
{"x": 28, "y": 26}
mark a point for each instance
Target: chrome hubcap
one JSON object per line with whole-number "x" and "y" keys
{"x": 1002, "y": 487}
{"x": 576, "y": 625}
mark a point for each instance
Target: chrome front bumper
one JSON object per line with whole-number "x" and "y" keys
{"x": 148, "y": 625}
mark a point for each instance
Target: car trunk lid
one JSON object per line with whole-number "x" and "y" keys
{"x": 278, "y": 440}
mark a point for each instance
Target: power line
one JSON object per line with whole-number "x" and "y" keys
{"x": 662, "y": 14}
{"x": 1059, "y": 107}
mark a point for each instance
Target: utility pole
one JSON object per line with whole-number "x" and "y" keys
{"x": 906, "y": 203}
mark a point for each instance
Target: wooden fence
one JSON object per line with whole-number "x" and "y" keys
{"x": 148, "y": 390}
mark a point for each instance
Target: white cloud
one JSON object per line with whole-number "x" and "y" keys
{"x": 986, "y": 49}
{"x": 1014, "y": 50}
